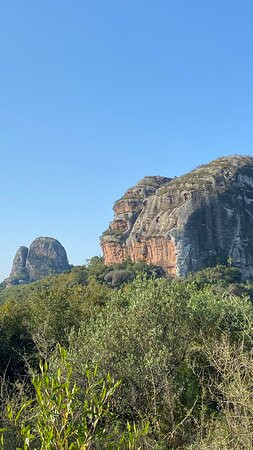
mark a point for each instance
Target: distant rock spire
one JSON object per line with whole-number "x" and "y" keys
{"x": 19, "y": 269}
{"x": 45, "y": 256}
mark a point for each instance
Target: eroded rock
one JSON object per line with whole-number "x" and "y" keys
{"x": 45, "y": 256}
{"x": 116, "y": 278}
{"x": 187, "y": 223}
{"x": 19, "y": 270}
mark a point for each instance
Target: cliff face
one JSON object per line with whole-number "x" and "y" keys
{"x": 19, "y": 269}
{"x": 45, "y": 256}
{"x": 187, "y": 223}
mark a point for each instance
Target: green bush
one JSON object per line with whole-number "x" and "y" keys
{"x": 62, "y": 415}
{"x": 164, "y": 339}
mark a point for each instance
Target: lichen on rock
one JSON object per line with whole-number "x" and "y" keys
{"x": 187, "y": 223}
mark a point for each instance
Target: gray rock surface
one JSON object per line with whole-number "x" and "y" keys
{"x": 116, "y": 278}
{"x": 45, "y": 256}
{"x": 191, "y": 222}
{"x": 19, "y": 270}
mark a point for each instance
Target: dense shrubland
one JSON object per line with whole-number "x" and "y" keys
{"x": 152, "y": 363}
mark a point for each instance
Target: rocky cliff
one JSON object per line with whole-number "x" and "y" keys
{"x": 45, "y": 256}
{"x": 187, "y": 223}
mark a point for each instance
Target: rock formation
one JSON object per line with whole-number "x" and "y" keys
{"x": 45, "y": 256}
{"x": 116, "y": 278}
{"x": 19, "y": 269}
{"x": 187, "y": 223}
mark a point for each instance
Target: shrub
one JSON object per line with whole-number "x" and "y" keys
{"x": 62, "y": 415}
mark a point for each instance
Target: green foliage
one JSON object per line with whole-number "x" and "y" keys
{"x": 62, "y": 415}
{"x": 97, "y": 269}
{"x": 166, "y": 340}
{"x": 46, "y": 309}
{"x": 151, "y": 334}
{"x": 219, "y": 275}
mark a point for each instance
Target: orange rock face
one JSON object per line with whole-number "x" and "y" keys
{"x": 119, "y": 225}
{"x": 126, "y": 206}
{"x": 187, "y": 223}
{"x": 113, "y": 253}
{"x": 157, "y": 250}
{"x": 115, "y": 244}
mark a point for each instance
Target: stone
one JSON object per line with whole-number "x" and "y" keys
{"x": 19, "y": 270}
{"x": 185, "y": 224}
{"x": 45, "y": 256}
{"x": 116, "y": 278}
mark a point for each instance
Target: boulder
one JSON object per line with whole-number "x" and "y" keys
{"x": 116, "y": 278}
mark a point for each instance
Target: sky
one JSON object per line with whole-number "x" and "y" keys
{"x": 96, "y": 94}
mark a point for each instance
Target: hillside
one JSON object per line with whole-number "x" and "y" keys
{"x": 139, "y": 349}
{"x": 178, "y": 352}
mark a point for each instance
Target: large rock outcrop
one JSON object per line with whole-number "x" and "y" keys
{"x": 45, "y": 256}
{"x": 19, "y": 269}
{"x": 187, "y": 223}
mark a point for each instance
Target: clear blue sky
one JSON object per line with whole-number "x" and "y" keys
{"x": 95, "y": 94}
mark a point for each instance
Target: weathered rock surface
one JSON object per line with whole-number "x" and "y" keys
{"x": 45, "y": 256}
{"x": 19, "y": 269}
{"x": 187, "y": 223}
{"x": 116, "y": 278}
